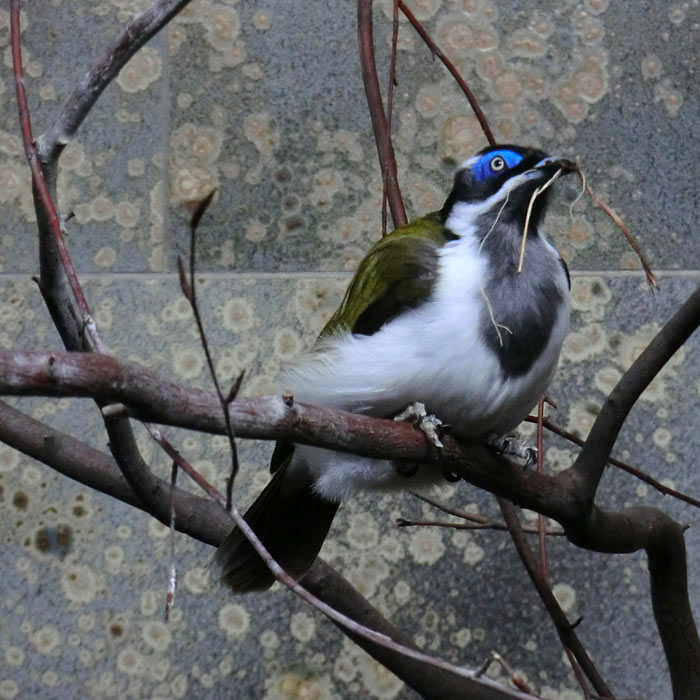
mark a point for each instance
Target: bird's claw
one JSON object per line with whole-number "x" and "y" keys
{"x": 531, "y": 459}
{"x": 431, "y": 425}
{"x": 511, "y": 446}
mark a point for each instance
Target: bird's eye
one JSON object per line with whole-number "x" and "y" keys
{"x": 493, "y": 163}
{"x": 497, "y": 164}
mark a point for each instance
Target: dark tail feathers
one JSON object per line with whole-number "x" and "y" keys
{"x": 292, "y": 527}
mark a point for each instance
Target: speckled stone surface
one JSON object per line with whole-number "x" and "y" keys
{"x": 264, "y": 101}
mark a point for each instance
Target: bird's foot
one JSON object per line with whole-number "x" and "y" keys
{"x": 511, "y": 446}
{"x": 431, "y": 425}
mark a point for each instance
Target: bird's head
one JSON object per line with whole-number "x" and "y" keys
{"x": 501, "y": 183}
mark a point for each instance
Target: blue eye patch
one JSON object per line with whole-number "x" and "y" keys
{"x": 494, "y": 163}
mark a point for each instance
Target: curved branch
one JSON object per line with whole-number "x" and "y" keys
{"x": 208, "y": 522}
{"x": 588, "y": 467}
{"x": 137, "y": 32}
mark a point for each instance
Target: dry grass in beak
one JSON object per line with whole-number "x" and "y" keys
{"x": 535, "y": 195}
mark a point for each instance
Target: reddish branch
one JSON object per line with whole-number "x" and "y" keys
{"x": 436, "y": 51}
{"x": 49, "y": 215}
{"x": 390, "y": 97}
{"x": 627, "y": 233}
{"x": 544, "y": 572}
{"x": 380, "y": 124}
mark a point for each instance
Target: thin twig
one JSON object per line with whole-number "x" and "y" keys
{"x": 39, "y": 181}
{"x": 516, "y": 680}
{"x": 578, "y": 674}
{"x": 494, "y": 525}
{"x": 628, "y": 235}
{"x": 390, "y": 100}
{"x": 538, "y": 191}
{"x": 541, "y": 524}
{"x": 436, "y": 51}
{"x": 479, "y": 521}
{"x": 189, "y": 289}
{"x": 172, "y": 578}
{"x": 637, "y": 473}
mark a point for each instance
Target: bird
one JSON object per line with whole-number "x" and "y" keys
{"x": 459, "y": 315}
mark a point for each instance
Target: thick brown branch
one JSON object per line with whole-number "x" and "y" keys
{"x": 152, "y": 397}
{"x": 669, "y": 596}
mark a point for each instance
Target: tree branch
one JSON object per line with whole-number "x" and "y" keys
{"x": 432, "y": 683}
{"x": 382, "y": 133}
{"x": 566, "y": 633}
{"x": 147, "y": 395}
{"x": 135, "y": 34}
{"x": 588, "y": 467}
{"x": 436, "y": 51}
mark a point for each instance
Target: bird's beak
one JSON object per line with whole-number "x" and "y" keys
{"x": 551, "y": 165}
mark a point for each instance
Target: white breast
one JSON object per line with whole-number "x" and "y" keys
{"x": 434, "y": 354}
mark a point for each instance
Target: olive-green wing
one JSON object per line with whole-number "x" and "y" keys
{"x": 397, "y": 274}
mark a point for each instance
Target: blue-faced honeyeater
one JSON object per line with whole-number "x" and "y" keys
{"x": 447, "y": 311}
